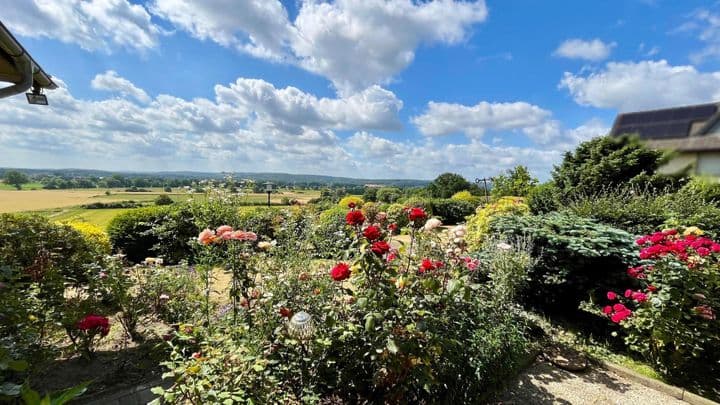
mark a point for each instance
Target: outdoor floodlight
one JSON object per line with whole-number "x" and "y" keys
{"x": 36, "y": 97}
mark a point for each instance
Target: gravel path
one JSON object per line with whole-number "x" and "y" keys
{"x": 544, "y": 383}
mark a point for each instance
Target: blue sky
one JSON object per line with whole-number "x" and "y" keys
{"x": 370, "y": 88}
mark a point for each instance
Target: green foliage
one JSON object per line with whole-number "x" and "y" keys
{"x": 370, "y": 194}
{"x": 330, "y": 234}
{"x": 604, "y": 162}
{"x": 132, "y": 232}
{"x": 576, "y": 256}
{"x": 26, "y": 239}
{"x": 396, "y": 214}
{"x": 634, "y": 210}
{"x": 15, "y": 178}
{"x": 452, "y": 211}
{"x": 516, "y": 182}
{"x": 388, "y": 194}
{"x": 163, "y": 199}
{"x": 447, "y": 184}
{"x": 478, "y": 225}
{"x": 544, "y": 198}
{"x": 706, "y": 188}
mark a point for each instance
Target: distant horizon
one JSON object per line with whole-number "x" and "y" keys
{"x": 200, "y": 173}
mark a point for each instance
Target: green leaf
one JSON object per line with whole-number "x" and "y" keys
{"x": 392, "y": 346}
{"x": 70, "y": 394}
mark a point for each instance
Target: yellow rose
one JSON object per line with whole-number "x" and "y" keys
{"x": 693, "y": 230}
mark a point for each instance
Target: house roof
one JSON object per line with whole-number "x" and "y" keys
{"x": 683, "y": 128}
{"x": 10, "y": 49}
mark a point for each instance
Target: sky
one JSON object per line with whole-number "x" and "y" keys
{"x": 359, "y": 88}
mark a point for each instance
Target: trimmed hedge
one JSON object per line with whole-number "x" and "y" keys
{"x": 453, "y": 211}
{"x": 132, "y": 232}
{"x": 24, "y": 239}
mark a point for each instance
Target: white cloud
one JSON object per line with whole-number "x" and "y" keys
{"x": 373, "y": 108}
{"x": 111, "y": 81}
{"x": 707, "y": 26}
{"x": 474, "y": 121}
{"x": 93, "y": 25}
{"x": 593, "y": 50}
{"x": 250, "y": 125}
{"x": 359, "y": 43}
{"x": 630, "y": 86}
{"x": 355, "y": 44}
{"x": 259, "y": 27}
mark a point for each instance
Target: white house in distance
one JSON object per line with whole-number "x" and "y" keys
{"x": 693, "y": 132}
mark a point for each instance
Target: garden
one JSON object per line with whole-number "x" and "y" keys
{"x": 416, "y": 295}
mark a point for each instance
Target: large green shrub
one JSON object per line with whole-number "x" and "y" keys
{"x": 544, "y": 198}
{"x": 132, "y": 232}
{"x": 24, "y": 239}
{"x": 516, "y": 182}
{"x": 576, "y": 256}
{"x": 453, "y": 211}
{"x": 603, "y": 162}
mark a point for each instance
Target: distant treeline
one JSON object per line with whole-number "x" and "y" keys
{"x": 82, "y": 178}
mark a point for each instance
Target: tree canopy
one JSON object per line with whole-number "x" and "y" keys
{"x": 515, "y": 182}
{"x": 447, "y": 184}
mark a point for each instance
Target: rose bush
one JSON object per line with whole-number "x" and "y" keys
{"x": 669, "y": 311}
{"x": 386, "y": 323}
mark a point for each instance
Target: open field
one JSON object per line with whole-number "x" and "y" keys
{"x": 36, "y": 200}
{"x": 65, "y": 205}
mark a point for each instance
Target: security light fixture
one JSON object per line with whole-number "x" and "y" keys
{"x": 36, "y": 97}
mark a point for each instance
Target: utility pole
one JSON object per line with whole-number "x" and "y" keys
{"x": 485, "y": 180}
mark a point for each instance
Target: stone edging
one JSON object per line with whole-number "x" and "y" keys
{"x": 677, "y": 392}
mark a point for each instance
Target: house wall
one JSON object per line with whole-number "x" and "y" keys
{"x": 680, "y": 162}
{"x": 708, "y": 163}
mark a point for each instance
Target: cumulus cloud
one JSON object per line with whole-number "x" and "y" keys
{"x": 93, "y": 25}
{"x": 355, "y": 44}
{"x": 632, "y": 86}
{"x": 373, "y": 108}
{"x": 706, "y": 25}
{"x": 474, "y": 121}
{"x": 249, "y": 125}
{"x": 258, "y": 27}
{"x": 111, "y": 81}
{"x": 592, "y": 50}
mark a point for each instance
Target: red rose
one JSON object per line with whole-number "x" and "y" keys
{"x": 611, "y": 295}
{"x": 92, "y": 322}
{"x": 607, "y": 310}
{"x": 354, "y": 218}
{"x": 380, "y": 247}
{"x": 628, "y": 293}
{"x": 416, "y": 214}
{"x": 393, "y": 227}
{"x": 340, "y": 272}
{"x": 351, "y": 204}
{"x": 426, "y": 265}
{"x": 285, "y": 312}
{"x": 372, "y": 233}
